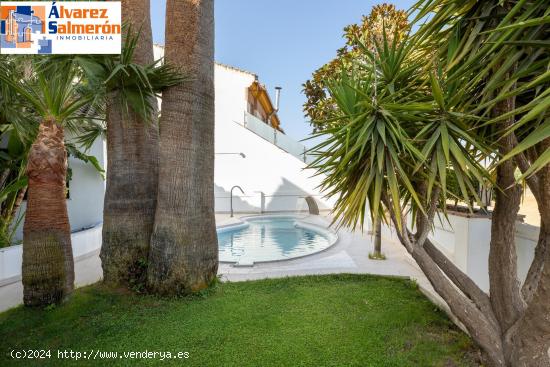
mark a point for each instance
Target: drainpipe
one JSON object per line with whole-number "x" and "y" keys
{"x": 277, "y": 101}
{"x": 275, "y": 110}
{"x": 277, "y": 98}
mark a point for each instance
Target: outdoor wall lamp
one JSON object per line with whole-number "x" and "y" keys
{"x": 241, "y": 154}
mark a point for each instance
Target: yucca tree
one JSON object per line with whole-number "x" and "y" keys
{"x": 500, "y": 48}
{"x": 184, "y": 247}
{"x": 53, "y": 93}
{"x": 382, "y": 18}
{"x": 471, "y": 85}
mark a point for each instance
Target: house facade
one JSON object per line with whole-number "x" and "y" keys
{"x": 18, "y": 24}
{"x": 252, "y": 152}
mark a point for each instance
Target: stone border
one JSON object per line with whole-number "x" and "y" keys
{"x": 85, "y": 244}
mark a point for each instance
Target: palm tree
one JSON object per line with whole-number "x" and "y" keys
{"x": 132, "y": 163}
{"x": 128, "y": 93}
{"x": 53, "y": 93}
{"x": 69, "y": 92}
{"x": 184, "y": 248}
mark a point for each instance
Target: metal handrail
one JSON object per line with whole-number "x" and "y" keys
{"x": 231, "y": 197}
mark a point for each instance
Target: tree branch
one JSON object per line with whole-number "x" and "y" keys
{"x": 505, "y": 295}
{"x": 402, "y": 232}
{"x": 462, "y": 281}
{"x": 532, "y": 154}
{"x": 543, "y": 244}
{"x": 467, "y": 286}
{"x": 533, "y": 328}
{"x": 535, "y": 270}
{"x": 424, "y": 221}
{"x": 478, "y": 324}
{"x": 523, "y": 165}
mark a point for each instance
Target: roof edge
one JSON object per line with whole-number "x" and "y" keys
{"x": 222, "y": 65}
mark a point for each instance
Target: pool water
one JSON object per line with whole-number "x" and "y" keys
{"x": 269, "y": 239}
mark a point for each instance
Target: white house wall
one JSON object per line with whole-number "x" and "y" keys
{"x": 465, "y": 240}
{"x": 87, "y": 189}
{"x": 267, "y": 173}
{"x": 272, "y": 179}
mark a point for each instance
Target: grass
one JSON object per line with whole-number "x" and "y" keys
{"x": 337, "y": 320}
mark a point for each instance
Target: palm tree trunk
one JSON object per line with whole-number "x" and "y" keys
{"x": 184, "y": 246}
{"x": 48, "y": 269}
{"x": 132, "y": 171}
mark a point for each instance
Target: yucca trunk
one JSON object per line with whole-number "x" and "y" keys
{"x": 377, "y": 238}
{"x": 48, "y": 269}
{"x": 505, "y": 294}
{"x": 132, "y": 171}
{"x": 523, "y": 315}
{"x": 530, "y": 336}
{"x": 184, "y": 247}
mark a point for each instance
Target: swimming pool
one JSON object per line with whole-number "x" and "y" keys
{"x": 271, "y": 238}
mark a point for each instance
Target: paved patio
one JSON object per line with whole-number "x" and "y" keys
{"x": 348, "y": 255}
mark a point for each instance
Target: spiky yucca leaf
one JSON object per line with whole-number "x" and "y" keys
{"x": 496, "y": 51}
{"x": 395, "y": 132}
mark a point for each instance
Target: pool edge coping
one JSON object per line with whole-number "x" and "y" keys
{"x": 242, "y": 220}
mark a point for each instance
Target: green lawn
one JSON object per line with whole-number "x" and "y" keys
{"x": 344, "y": 320}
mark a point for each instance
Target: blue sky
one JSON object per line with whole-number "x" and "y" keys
{"x": 282, "y": 41}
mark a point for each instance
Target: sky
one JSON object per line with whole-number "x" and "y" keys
{"x": 282, "y": 41}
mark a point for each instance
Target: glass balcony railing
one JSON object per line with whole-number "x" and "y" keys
{"x": 276, "y": 137}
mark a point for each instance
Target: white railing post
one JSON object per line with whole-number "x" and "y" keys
{"x": 262, "y": 201}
